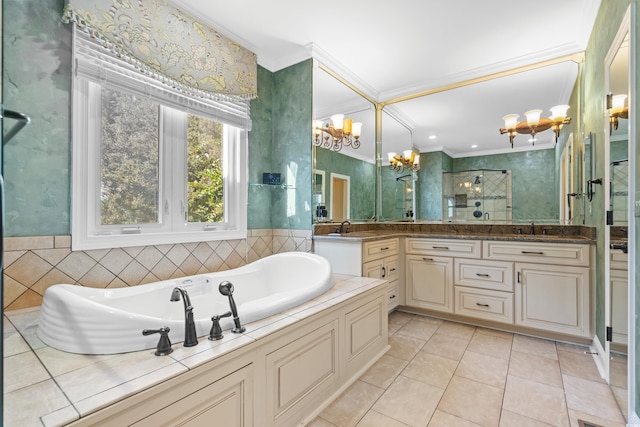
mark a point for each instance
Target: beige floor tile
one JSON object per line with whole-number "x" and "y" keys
{"x": 384, "y": 371}
{"x": 398, "y": 319}
{"x": 23, "y": 370}
{"x": 571, "y": 348}
{"x": 408, "y": 401}
{"x": 442, "y": 419}
{"x": 431, "y": 320}
{"x": 446, "y": 346}
{"x": 592, "y": 398}
{"x": 491, "y": 345}
{"x": 495, "y": 333}
{"x": 351, "y": 405}
{"x": 574, "y": 416}
{"x": 319, "y": 422}
{"x": 404, "y": 347}
{"x": 472, "y": 401}
{"x": 376, "y": 419}
{"x": 537, "y": 346}
{"x": 511, "y": 419}
{"x": 458, "y": 330}
{"x": 621, "y": 397}
{"x": 535, "y": 400}
{"x": 579, "y": 365}
{"x": 418, "y": 329}
{"x": 618, "y": 372}
{"x": 431, "y": 369}
{"x": 536, "y": 368}
{"x": 483, "y": 368}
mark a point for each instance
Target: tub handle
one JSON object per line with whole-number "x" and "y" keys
{"x": 164, "y": 344}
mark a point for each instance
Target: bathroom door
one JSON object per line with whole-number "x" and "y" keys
{"x": 340, "y": 196}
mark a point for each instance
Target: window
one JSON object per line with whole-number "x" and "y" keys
{"x": 151, "y": 166}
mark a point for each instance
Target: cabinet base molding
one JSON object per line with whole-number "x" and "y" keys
{"x": 473, "y": 321}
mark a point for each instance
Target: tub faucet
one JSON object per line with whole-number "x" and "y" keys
{"x": 226, "y": 289}
{"x": 190, "y": 337}
{"x": 342, "y": 225}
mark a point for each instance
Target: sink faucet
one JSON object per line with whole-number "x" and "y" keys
{"x": 190, "y": 337}
{"x": 342, "y": 224}
{"x": 226, "y": 289}
{"x": 532, "y": 229}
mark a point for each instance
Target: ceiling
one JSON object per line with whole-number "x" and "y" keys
{"x": 387, "y": 50}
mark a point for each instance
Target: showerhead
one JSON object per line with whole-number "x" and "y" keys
{"x": 226, "y": 288}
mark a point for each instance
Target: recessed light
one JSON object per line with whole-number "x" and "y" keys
{"x": 474, "y": 146}
{"x": 432, "y": 137}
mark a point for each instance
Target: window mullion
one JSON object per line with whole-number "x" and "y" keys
{"x": 174, "y": 131}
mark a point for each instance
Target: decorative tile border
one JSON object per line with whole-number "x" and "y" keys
{"x": 32, "y": 264}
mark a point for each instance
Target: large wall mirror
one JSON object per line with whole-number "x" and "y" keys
{"x": 617, "y": 184}
{"x": 348, "y": 174}
{"x": 468, "y": 171}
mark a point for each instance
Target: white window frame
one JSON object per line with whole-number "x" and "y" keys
{"x": 94, "y": 70}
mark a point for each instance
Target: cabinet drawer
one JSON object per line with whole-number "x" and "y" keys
{"x": 484, "y": 304}
{"x": 393, "y": 295}
{"x": 444, "y": 247}
{"x": 619, "y": 260}
{"x": 496, "y": 275}
{"x": 379, "y": 249}
{"x": 391, "y": 268}
{"x": 546, "y": 253}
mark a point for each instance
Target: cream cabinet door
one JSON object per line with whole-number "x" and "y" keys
{"x": 553, "y": 297}
{"x": 619, "y": 309}
{"x": 226, "y": 402}
{"x": 429, "y": 282}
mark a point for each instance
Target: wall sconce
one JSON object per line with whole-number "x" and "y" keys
{"x": 409, "y": 160}
{"x": 340, "y": 132}
{"x": 617, "y": 110}
{"x": 535, "y": 123}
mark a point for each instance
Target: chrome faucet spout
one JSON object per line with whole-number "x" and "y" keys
{"x": 190, "y": 336}
{"x": 226, "y": 289}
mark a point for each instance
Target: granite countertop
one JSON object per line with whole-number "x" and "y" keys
{"x": 505, "y": 232}
{"x": 47, "y": 387}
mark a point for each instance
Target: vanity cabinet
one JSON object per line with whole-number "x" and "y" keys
{"x": 553, "y": 298}
{"x": 381, "y": 262}
{"x": 377, "y": 258}
{"x": 484, "y": 289}
{"x": 619, "y": 299}
{"x": 429, "y": 271}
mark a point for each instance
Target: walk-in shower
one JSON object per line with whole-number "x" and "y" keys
{"x": 480, "y": 195}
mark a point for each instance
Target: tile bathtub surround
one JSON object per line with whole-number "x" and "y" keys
{"x": 440, "y": 373}
{"x": 45, "y": 386}
{"x": 32, "y": 264}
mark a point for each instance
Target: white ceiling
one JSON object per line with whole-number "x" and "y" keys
{"x": 391, "y": 49}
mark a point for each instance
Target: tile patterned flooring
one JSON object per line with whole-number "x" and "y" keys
{"x": 440, "y": 373}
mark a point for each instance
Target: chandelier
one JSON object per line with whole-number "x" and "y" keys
{"x": 617, "y": 110}
{"x": 536, "y": 124}
{"x": 340, "y": 132}
{"x": 409, "y": 160}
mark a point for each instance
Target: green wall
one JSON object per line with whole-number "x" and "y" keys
{"x": 37, "y": 163}
{"x": 533, "y": 178}
{"x": 362, "y": 178}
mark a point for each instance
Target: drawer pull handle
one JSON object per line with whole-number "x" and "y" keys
{"x": 532, "y": 252}
{"x": 384, "y": 272}
{"x": 444, "y": 248}
{"x": 386, "y": 248}
{"x": 482, "y": 275}
{"x": 482, "y": 305}
{"x": 391, "y": 270}
{"x": 392, "y": 297}
{"x": 427, "y": 259}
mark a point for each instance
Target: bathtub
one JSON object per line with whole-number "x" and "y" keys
{"x": 85, "y": 320}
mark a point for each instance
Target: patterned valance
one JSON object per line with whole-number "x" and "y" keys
{"x": 170, "y": 45}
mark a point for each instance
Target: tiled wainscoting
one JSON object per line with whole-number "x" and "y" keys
{"x": 32, "y": 264}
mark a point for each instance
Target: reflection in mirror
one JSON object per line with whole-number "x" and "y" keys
{"x": 319, "y": 201}
{"x": 616, "y": 180}
{"x": 355, "y": 166}
{"x": 397, "y": 183}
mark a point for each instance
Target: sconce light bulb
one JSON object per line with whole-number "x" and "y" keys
{"x": 356, "y": 129}
{"x": 559, "y": 112}
{"x": 533, "y": 117}
{"x": 510, "y": 121}
{"x": 338, "y": 121}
